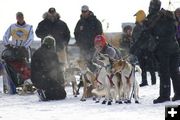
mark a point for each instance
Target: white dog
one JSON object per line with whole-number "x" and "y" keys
{"x": 130, "y": 84}
{"x": 110, "y": 82}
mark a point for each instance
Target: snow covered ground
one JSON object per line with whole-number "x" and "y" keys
{"x": 28, "y": 107}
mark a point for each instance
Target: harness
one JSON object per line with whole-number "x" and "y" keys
{"x": 96, "y": 79}
{"x": 110, "y": 76}
{"x": 127, "y": 78}
{"x": 110, "y": 79}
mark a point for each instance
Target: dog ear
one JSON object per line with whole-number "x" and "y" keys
{"x": 120, "y": 62}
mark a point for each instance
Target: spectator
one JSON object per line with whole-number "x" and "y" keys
{"x": 21, "y": 33}
{"x": 85, "y": 31}
{"x": 46, "y": 72}
{"x": 52, "y": 25}
{"x": 161, "y": 25}
{"x": 177, "y": 15}
{"x": 146, "y": 58}
{"x": 126, "y": 40}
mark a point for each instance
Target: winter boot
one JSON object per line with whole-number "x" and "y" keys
{"x": 164, "y": 93}
{"x": 41, "y": 95}
{"x": 161, "y": 100}
{"x": 176, "y": 85}
{"x": 176, "y": 97}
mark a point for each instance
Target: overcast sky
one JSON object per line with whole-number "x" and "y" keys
{"x": 113, "y": 12}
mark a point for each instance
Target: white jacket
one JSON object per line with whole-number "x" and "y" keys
{"x": 21, "y": 35}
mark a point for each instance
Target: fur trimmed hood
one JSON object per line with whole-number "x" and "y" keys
{"x": 47, "y": 15}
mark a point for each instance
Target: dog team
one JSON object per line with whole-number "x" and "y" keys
{"x": 105, "y": 72}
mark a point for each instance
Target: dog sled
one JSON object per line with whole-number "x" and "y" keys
{"x": 17, "y": 70}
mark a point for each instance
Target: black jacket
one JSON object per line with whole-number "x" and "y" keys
{"x": 45, "y": 69}
{"x": 86, "y": 30}
{"x": 157, "y": 35}
{"x": 164, "y": 31}
{"x": 178, "y": 33}
{"x": 58, "y": 29}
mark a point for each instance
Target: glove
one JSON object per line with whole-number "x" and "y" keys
{"x": 8, "y": 46}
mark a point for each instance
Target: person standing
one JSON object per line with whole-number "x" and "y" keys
{"x": 22, "y": 36}
{"x": 21, "y": 33}
{"x": 161, "y": 25}
{"x": 126, "y": 41}
{"x": 52, "y": 25}
{"x": 145, "y": 57}
{"x": 85, "y": 31}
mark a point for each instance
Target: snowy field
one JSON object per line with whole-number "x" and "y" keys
{"x": 28, "y": 107}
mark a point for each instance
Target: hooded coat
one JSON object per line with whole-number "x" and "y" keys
{"x": 167, "y": 51}
{"x": 46, "y": 72}
{"x": 85, "y": 31}
{"x": 56, "y": 28}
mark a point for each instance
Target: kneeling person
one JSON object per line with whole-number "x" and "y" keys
{"x": 47, "y": 74}
{"x": 103, "y": 47}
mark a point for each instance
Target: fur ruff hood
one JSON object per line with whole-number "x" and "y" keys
{"x": 46, "y": 15}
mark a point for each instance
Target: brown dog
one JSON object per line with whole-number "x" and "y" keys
{"x": 130, "y": 84}
{"x": 88, "y": 79}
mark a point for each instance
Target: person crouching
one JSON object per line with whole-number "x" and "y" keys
{"x": 46, "y": 72}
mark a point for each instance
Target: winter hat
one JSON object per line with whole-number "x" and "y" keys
{"x": 19, "y": 14}
{"x": 100, "y": 39}
{"x": 52, "y": 10}
{"x": 49, "y": 41}
{"x": 84, "y": 8}
{"x": 140, "y": 16}
{"x": 126, "y": 28}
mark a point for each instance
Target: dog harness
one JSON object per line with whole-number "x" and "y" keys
{"x": 110, "y": 79}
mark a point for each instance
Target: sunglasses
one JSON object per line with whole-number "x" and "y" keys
{"x": 84, "y": 11}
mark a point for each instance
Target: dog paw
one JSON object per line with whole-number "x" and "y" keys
{"x": 120, "y": 102}
{"x": 83, "y": 99}
{"x": 94, "y": 98}
{"x": 127, "y": 101}
{"x": 137, "y": 102}
{"x": 104, "y": 102}
{"x": 109, "y": 103}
